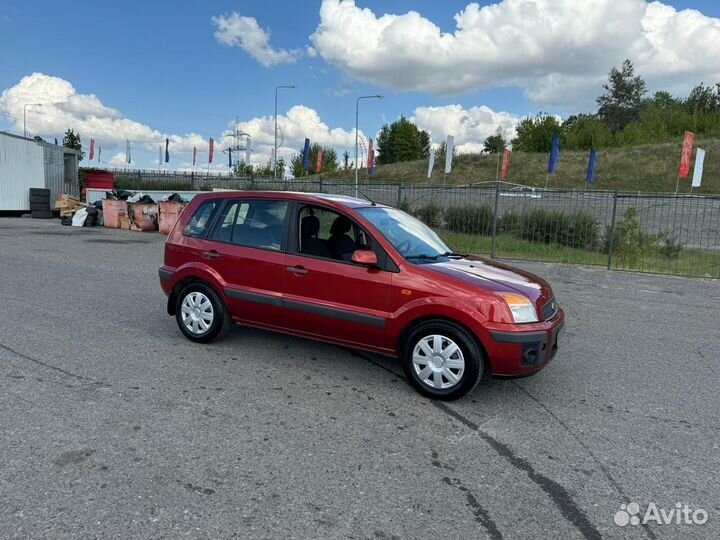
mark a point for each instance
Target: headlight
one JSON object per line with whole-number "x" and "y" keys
{"x": 521, "y": 307}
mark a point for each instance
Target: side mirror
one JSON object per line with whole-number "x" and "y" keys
{"x": 364, "y": 256}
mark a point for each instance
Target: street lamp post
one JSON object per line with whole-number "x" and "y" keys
{"x": 357, "y": 117}
{"x": 275, "y": 154}
{"x": 25, "y": 134}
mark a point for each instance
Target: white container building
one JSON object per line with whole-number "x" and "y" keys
{"x": 29, "y": 163}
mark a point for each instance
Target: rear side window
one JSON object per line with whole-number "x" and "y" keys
{"x": 258, "y": 224}
{"x": 202, "y": 218}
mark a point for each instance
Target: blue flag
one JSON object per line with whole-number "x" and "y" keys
{"x": 554, "y": 153}
{"x": 306, "y": 154}
{"x": 591, "y": 167}
{"x": 167, "y": 151}
{"x": 230, "y": 157}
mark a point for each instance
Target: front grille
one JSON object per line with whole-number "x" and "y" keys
{"x": 549, "y": 310}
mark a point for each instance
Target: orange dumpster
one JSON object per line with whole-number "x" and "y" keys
{"x": 112, "y": 211}
{"x": 143, "y": 216}
{"x": 169, "y": 213}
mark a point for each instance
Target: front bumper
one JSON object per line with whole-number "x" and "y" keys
{"x": 524, "y": 349}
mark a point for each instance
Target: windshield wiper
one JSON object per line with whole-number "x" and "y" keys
{"x": 453, "y": 254}
{"x": 422, "y": 256}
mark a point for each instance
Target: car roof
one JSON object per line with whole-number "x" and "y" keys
{"x": 340, "y": 200}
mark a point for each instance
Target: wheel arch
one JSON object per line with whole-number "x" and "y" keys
{"x": 184, "y": 282}
{"x": 410, "y": 325}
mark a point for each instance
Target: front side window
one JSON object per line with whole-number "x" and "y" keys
{"x": 258, "y": 224}
{"x": 328, "y": 234}
{"x": 202, "y": 218}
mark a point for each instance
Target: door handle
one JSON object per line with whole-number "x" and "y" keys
{"x": 297, "y": 270}
{"x": 212, "y": 254}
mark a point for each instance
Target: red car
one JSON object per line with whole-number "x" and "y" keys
{"x": 359, "y": 274}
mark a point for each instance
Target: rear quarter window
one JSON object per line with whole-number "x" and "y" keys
{"x": 202, "y": 218}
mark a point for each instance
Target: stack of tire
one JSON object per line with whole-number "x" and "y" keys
{"x": 40, "y": 203}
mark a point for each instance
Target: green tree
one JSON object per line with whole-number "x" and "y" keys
{"x": 72, "y": 140}
{"x": 583, "y": 131}
{"x": 704, "y": 99}
{"x": 440, "y": 152}
{"x": 623, "y": 97}
{"x": 329, "y": 163}
{"x": 264, "y": 170}
{"x": 296, "y": 165}
{"x": 346, "y": 160}
{"x": 535, "y": 133}
{"x": 240, "y": 168}
{"x": 495, "y": 144}
{"x": 402, "y": 141}
{"x": 281, "y": 166}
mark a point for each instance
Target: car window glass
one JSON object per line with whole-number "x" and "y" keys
{"x": 202, "y": 218}
{"x": 259, "y": 224}
{"x": 224, "y": 227}
{"x": 329, "y": 234}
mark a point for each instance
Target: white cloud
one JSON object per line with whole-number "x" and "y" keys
{"x": 62, "y": 108}
{"x": 556, "y": 50}
{"x": 234, "y": 30}
{"x": 470, "y": 127}
{"x": 299, "y": 122}
{"x": 119, "y": 160}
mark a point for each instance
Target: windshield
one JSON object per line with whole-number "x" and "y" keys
{"x": 410, "y": 237}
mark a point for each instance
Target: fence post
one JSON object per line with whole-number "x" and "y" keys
{"x": 321, "y": 184}
{"x": 611, "y": 242}
{"x": 495, "y": 219}
{"x": 399, "y": 198}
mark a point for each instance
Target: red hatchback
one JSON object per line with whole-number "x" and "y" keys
{"x": 358, "y": 274}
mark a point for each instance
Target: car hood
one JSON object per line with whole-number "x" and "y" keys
{"x": 495, "y": 277}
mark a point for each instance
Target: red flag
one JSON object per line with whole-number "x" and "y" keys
{"x": 684, "y": 168}
{"x": 211, "y": 150}
{"x": 92, "y": 150}
{"x": 371, "y": 155}
{"x": 318, "y": 165}
{"x": 505, "y": 164}
{"x": 194, "y": 155}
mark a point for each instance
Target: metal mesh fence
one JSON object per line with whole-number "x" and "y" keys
{"x": 664, "y": 233}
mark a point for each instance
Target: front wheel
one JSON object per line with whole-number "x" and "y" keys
{"x": 442, "y": 360}
{"x": 201, "y": 314}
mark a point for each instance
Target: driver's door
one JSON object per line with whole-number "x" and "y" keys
{"x": 334, "y": 299}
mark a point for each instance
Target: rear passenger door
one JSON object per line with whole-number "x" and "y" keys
{"x": 246, "y": 247}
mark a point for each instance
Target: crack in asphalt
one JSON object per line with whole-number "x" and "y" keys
{"x": 557, "y": 493}
{"x": 610, "y": 478}
{"x": 482, "y": 516}
{"x": 45, "y": 364}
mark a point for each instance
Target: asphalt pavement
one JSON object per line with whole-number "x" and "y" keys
{"x": 112, "y": 425}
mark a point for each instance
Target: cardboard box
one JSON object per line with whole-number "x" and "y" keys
{"x": 125, "y": 222}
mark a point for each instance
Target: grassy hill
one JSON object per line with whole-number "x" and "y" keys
{"x": 650, "y": 168}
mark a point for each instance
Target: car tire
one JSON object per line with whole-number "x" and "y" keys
{"x": 40, "y": 199}
{"x": 442, "y": 360}
{"x": 201, "y": 314}
{"x": 39, "y": 206}
{"x": 42, "y": 214}
{"x": 35, "y": 192}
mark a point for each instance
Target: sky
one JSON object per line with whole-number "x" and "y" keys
{"x": 186, "y": 70}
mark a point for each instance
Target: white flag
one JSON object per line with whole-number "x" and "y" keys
{"x": 432, "y": 162}
{"x": 697, "y": 174}
{"x": 449, "y": 153}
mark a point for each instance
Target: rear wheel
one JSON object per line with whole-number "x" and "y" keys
{"x": 200, "y": 313}
{"x": 442, "y": 360}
